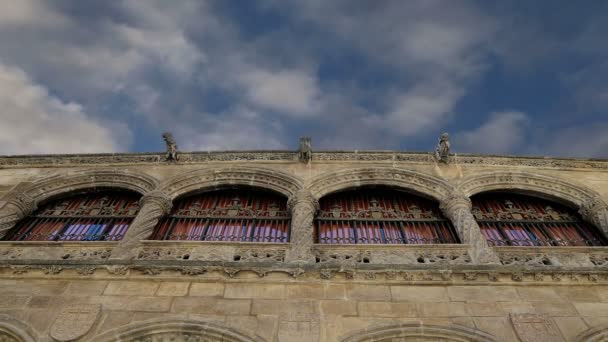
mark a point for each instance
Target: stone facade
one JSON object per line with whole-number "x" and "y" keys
{"x": 143, "y": 290}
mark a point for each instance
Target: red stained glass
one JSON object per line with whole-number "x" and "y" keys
{"x": 93, "y": 216}
{"x": 230, "y": 215}
{"x": 381, "y": 216}
{"x": 519, "y": 220}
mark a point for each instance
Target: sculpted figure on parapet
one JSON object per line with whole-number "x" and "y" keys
{"x": 171, "y": 147}
{"x": 443, "y": 148}
{"x": 305, "y": 150}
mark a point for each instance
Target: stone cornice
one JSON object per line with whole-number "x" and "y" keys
{"x": 61, "y": 160}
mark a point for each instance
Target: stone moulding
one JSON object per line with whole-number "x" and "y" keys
{"x": 13, "y": 330}
{"x": 420, "y": 332}
{"x": 544, "y": 186}
{"x": 210, "y": 178}
{"x": 54, "y": 250}
{"x": 212, "y": 251}
{"x": 596, "y": 334}
{"x": 565, "y": 257}
{"x": 292, "y": 156}
{"x": 426, "y": 185}
{"x": 180, "y": 330}
{"x": 392, "y": 254}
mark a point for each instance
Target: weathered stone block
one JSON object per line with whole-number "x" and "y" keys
{"x": 207, "y": 289}
{"x": 86, "y": 288}
{"x": 500, "y": 327}
{"x": 516, "y": 307}
{"x": 32, "y": 287}
{"x": 592, "y": 309}
{"x": 419, "y": 293}
{"x": 213, "y": 306}
{"x": 555, "y": 309}
{"x": 539, "y": 293}
{"x": 173, "y": 289}
{"x": 252, "y": 290}
{"x": 387, "y": 309}
{"x": 131, "y": 288}
{"x": 570, "y": 327}
{"x": 335, "y": 291}
{"x": 155, "y": 304}
{"x": 368, "y": 292}
{"x": 13, "y": 302}
{"x": 305, "y": 291}
{"x": 482, "y": 293}
{"x": 578, "y": 293}
{"x": 483, "y": 309}
{"x": 339, "y": 307}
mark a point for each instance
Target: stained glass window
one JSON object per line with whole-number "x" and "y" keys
{"x": 92, "y": 216}
{"x": 518, "y": 220}
{"x": 229, "y": 215}
{"x": 381, "y": 216}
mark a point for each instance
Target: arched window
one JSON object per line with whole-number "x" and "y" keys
{"x": 508, "y": 219}
{"x": 239, "y": 215}
{"x": 91, "y": 216}
{"x": 381, "y": 216}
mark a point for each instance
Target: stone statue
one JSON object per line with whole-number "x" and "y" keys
{"x": 443, "y": 148}
{"x": 305, "y": 151}
{"x": 171, "y": 147}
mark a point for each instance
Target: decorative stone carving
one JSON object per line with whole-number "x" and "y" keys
{"x": 442, "y": 152}
{"x": 457, "y": 207}
{"x": 305, "y": 150}
{"x": 164, "y": 253}
{"x": 87, "y": 253}
{"x": 259, "y": 254}
{"x": 74, "y": 321}
{"x": 595, "y": 211}
{"x": 303, "y": 206}
{"x": 53, "y": 269}
{"x": 14, "y": 210}
{"x": 419, "y": 332}
{"x": 388, "y": 176}
{"x": 535, "y": 328}
{"x": 153, "y": 206}
{"x": 171, "y": 146}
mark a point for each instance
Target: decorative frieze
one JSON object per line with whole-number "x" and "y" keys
{"x": 392, "y": 255}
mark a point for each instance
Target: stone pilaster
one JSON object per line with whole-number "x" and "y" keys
{"x": 303, "y": 206}
{"x": 153, "y": 206}
{"x": 595, "y": 211}
{"x": 14, "y": 210}
{"x": 457, "y": 208}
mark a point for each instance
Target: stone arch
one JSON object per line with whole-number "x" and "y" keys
{"x": 175, "y": 329}
{"x": 419, "y": 332}
{"x": 13, "y": 330}
{"x": 52, "y": 186}
{"x": 597, "y": 334}
{"x": 24, "y": 199}
{"x": 214, "y": 178}
{"x": 420, "y": 183}
{"x": 552, "y": 188}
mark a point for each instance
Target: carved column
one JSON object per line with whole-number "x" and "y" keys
{"x": 457, "y": 208}
{"x": 15, "y": 210}
{"x": 595, "y": 211}
{"x": 303, "y": 206}
{"x": 153, "y": 206}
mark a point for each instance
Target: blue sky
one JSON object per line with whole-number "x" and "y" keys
{"x": 519, "y": 77}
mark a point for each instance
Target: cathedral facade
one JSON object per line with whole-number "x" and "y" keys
{"x": 303, "y": 246}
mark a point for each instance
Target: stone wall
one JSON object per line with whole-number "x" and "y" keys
{"x": 288, "y": 310}
{"x": 133, "y": 289}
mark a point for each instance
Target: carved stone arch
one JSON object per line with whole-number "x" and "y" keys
{"x": 597, "y": 334}
{"x": 420, "y": 183}
{"x": 550, "y": 187}
{"x": 24, "y": 199}
{"x": 419, "y": 332}
{"x": 13, "y": 330}
{"x": 52, "y": 186}
{"x": 216, "y": 178}
{"x": 163, "y": 330}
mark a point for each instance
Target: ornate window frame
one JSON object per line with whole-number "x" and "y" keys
{"x": 449, "y": 333}
{"x": 140, "y": 330}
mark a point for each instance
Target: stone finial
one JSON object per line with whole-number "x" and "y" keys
{"x": 305, "y": 150}
{"x": 442, "y": 151}
{"x": 171, "y": 147}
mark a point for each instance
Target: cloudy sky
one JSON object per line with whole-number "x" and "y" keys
{"x": 519, "y": 77}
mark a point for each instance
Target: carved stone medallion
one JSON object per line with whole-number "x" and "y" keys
{"x": 74, "y": 321}
{"x": 535, "y": 328}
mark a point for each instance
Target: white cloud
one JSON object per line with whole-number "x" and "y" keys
{"x": 503, "y": 132}
{"x": 30, "y": 12}
{"x": 289, "y": 92}
{"x": 34, "y": 121}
